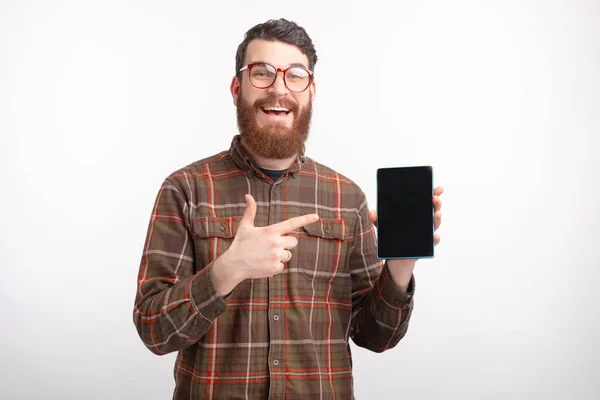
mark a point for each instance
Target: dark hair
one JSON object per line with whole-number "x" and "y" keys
{"x": 283, "y": 31}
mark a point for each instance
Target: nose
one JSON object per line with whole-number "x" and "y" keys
{"x": 278, "y": 87}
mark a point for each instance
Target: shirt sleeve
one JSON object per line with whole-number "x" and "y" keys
{"x": 176, "y": 301}
{"x": 380, "y": 309}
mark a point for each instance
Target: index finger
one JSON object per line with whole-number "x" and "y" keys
{"x": 294, "y": 223}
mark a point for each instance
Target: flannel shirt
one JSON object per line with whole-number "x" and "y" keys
{"x": 283, "y": 337}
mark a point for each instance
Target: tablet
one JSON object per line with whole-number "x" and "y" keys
{"x": 405, "y": 212}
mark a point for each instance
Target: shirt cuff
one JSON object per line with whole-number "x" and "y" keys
{"x": 390, "y": 293}
{"x": 207, "y": 302}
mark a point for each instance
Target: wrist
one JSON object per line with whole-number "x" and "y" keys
{"x": 401, "y": 272}
{"x": 224, "y": 277}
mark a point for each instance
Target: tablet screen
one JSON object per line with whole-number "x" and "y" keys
{"x": 405, "y": 212}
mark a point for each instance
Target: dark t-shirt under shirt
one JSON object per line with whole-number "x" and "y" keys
{"x": 273, "y": 174}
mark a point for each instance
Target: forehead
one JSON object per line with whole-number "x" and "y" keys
{"x": 277, "y": 53}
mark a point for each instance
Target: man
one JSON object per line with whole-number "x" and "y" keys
{"x": 260, "y": 263}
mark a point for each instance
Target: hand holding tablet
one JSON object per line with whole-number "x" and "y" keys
{"x": 405, "y": 211}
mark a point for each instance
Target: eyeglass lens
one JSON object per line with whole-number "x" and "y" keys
{"x": 262, "y": 76}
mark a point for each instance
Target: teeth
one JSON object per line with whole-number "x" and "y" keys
{"x": 277, "y": 109}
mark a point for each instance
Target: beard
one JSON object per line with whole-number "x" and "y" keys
{"x": 274, "y": 141}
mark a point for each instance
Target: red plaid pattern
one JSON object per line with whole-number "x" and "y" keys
{"x": 284, "y": 337}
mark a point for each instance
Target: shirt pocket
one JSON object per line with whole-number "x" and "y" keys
{"x": 323, "y": 250}
{"x": 212, "y": 237}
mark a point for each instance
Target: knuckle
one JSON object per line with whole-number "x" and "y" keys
{"x": 274, "y": 253}
{"x": 272, "y": 243}
{"x": 276, "y": 268}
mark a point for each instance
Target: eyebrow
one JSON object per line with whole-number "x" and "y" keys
{"x": 291, "y": 65}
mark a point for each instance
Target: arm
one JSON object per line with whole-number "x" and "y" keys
{"x": 176, "y": 301}
{"x": 381, "y": 310}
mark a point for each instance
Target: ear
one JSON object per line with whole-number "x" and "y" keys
{"x": 235, "y": 90}
{"x": 313, "y": 89}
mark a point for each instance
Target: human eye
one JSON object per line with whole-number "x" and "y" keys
{"x": 297, "y": 74}
{"x": 263, "y": 71}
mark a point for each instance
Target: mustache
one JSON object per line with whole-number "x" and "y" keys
{"x": 272, "y": 101}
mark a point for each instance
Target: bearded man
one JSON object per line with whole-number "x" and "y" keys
{"x": 260, "y": 263}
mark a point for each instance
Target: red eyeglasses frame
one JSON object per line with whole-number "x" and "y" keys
{"x": 277, "y": 71}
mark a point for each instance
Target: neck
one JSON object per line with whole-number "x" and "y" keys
{"x": 269, "y": 163}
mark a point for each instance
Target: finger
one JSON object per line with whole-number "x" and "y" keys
{"x": 438, "y": 191}
{"x": 247, "y": 220}
{"x": 289, "y": 242}
{"x": 286, "y": 256}
{"x": 373, "y": 217}
{"x": 437, "y": 220}
{"x": 281, "y": 267}
{"x": 437, "y": 203}
{"x": 436, "y": 239}
{"x": 292, "y": 224}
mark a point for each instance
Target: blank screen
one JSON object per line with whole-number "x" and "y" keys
{"x": 405, "y": 212}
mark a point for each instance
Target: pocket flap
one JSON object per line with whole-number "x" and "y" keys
{"x": 329, "y": 229}
{"x": 219, "y": 227}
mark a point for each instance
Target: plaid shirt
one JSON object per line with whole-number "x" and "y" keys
{"x": 284, "y": 337}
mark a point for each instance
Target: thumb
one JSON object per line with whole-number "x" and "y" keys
{"x": 248, "y": 218}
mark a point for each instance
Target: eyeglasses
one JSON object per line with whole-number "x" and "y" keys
{"x": 263, "y": 75}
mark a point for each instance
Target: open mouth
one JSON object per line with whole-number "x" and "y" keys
{"x": 279, "y": 111}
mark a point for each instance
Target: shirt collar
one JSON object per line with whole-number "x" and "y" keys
{"x": 242, "y": 159}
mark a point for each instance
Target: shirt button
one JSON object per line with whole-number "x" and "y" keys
{"x": 396, "y": 302}
{"x": 275, "y": 362}
{"x": 222, "y": 228}
{"x": 276, "y": 317}
{"x": 217, "y": 312}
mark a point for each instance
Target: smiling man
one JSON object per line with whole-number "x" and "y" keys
{"x": 260, "y": 263}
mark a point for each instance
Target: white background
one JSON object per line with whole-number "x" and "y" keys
{"x": 100, "y": 101}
